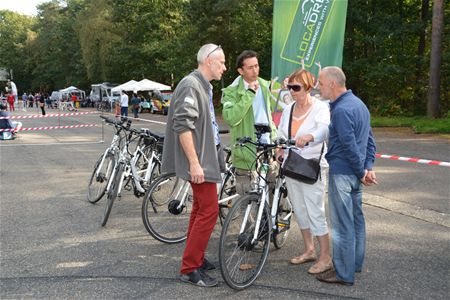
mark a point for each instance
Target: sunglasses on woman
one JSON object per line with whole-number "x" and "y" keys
{"x": 294, "y": 87}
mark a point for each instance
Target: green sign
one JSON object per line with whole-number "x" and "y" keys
{"x": 307, "y": 32}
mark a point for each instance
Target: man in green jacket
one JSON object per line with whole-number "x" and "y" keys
{"x": 246, "y": 102}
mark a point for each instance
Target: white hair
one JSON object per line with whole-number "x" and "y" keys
{"x": 336, "y": 74}
{"x": 205, "y": 51}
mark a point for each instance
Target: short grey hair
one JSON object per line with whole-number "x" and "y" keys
{"x": 336, "y": 74}
{"x": 205, "y": 51}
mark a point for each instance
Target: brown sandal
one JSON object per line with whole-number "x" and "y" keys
{"x": 320, "y": 268}
{"x": 303, "y": 259}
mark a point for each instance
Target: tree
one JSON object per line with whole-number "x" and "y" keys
{"x": 98, "y": 39}
{"x": 15, "y": 31}
{"x": 56, "y": 59}
{"x": 433, "y": 109}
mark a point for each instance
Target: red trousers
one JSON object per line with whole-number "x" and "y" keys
{"x": 11, "y": 105}
{"x": 205, "y": 209}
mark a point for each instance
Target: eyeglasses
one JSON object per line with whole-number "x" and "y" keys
{"x": 215, "y": 49}
{"x": 294, "y": 87}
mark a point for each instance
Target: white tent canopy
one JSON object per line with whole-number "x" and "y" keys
{"x": 127, "y": 86}
{"x": 149, "y": 85}
{"x": 70, "y": 89}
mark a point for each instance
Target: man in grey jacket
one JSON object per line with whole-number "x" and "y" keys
{"x": 190, "y": 151}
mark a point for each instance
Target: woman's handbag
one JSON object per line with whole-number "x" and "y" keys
{"x": 302, "y": 169}
{"x": 297, "y": 167}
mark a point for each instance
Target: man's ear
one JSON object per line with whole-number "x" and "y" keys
{"x": 240, "y": 71}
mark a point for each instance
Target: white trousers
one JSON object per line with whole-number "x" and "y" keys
{"x": 308, "y": 204}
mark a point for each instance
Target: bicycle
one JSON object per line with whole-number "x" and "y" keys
{"x": 141, "y": 167}
{"x": 145, "y": 159}
{"x": 105, "y": 164}
{"x": 252, "y": 223}
{"x": 103, "y": 106}
{"x": 167, "y": 205}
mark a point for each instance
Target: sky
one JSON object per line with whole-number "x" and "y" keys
{"x": 26, "y": 7}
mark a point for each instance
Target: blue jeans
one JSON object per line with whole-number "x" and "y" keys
{"x": 348, "y": 225}
{"x": 124, "y": 111}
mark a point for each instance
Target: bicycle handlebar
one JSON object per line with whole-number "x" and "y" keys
{"x": 276, "y": 143}
{"x": 143, "y": 131}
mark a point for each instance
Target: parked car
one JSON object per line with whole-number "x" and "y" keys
{"x": 161, "y": 103}
{"x": 146, "y": 105}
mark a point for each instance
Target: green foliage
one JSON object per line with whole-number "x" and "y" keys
{"x": 80, "y": 42}
{"x": 418, "y": 124}
{"x": 56, "y": 60}
{"x": 382, "y": 59}
{"x": 15, "y": 31}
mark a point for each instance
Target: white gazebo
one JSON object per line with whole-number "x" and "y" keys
{"x": 72, "y": 89}
{"x": 149, "y": 85}
{"x": 127, "y": 86}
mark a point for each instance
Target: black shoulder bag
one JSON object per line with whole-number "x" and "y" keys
{"x": 297, "y": 167}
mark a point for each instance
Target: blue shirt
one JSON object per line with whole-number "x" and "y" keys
{"x": 213, "y": 118}
{"x": 351, "y": 143}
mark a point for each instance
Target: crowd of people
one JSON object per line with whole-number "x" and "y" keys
{"x": 339, "y": 130}
{"x": 10, "y": 102}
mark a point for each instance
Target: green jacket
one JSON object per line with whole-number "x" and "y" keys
{"x": 238, "y": 114}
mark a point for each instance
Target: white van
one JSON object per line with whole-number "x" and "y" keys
{"x": 102, "y": 92}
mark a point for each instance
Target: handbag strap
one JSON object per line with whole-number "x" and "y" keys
{"x": 290, "y": 121}
{"x": 321, "y": 151}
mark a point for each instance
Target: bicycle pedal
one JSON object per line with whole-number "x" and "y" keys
{"x": 283, "y": 224}
{"x": 127, "y": 187}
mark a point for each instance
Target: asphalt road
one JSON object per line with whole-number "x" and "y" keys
{"x": 53, "y": 247}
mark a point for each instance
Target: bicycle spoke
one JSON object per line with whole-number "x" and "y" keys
{"x": 241, "y": 258}
{"x": 166, "y": 209}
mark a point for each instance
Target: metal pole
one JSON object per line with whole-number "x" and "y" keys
{"x": 103, "y": 132}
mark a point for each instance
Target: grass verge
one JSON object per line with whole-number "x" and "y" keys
{"x": 418, "y": 124}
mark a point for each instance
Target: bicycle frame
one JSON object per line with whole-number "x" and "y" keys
{"x": 135, "y": 173}
{"x": 273, "y": 212}
{"x": 263, "y": 189}
{"x": 112, "y": 148}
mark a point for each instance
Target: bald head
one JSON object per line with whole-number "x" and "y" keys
{"x": 335, "y": 74}
{"x": 211, "y": 61}
{"x": 331, "y": 82}
{"x": 206, "y": 51}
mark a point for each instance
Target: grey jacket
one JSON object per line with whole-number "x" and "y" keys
{"x": 189, "y": 110}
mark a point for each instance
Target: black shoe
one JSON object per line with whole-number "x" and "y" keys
{"x": 199, "y": 278}
{"x": 207, "y": 265}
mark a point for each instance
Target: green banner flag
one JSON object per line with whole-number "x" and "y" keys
{"x": 308, "y": 31}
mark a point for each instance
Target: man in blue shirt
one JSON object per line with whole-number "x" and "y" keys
{"x": 351, "y": 154}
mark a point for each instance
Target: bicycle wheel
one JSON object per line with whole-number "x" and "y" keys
{"x": 227, "y": 190}
{"x": 283, "y": 219}
{"x": 143, "y": 163}
{"x": 112, "y": 193}
{"x": 156, "y": 172}
{"x": 100, "y": 177}
{"x": 166, "y": 209}
{"x": 242, "y": 259}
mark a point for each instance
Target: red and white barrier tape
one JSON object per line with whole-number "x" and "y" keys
{"x": 50, "y": 127}
{"x": 49, "y": 115}
{"x": 415, "y": 160}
